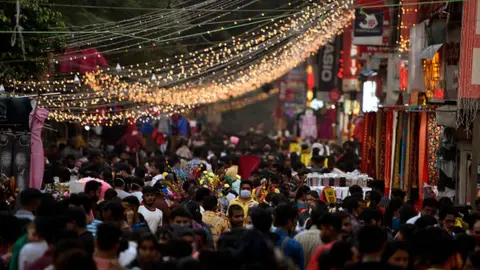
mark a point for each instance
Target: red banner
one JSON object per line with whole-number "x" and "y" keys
{"x": 469, "y": 85}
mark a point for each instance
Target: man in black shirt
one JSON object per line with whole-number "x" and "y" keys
{"x": 77, "y": 221}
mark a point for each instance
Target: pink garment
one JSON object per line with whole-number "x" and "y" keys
{"x": 104, "y": 188}
{"x": 309, "y": 127}
{"x": 37, "y": 158}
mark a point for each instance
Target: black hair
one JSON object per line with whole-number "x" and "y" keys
{"x": 246, "y": 182}
{"x": 202, "y": 193}
{"x": 284, "y": 213}
{"x": 318, "y": 160}
{"x": 47, "y": 228}
{"x": 465, "y": 244}
{"x": 337, "y": 256}
{"x": 355, "y": 189}
{"x": 475, "y": 259}
{"x": 392, "y": 247}
{"x": 430, "y": 202}
{"x": 371, "y": 239}
{"x": 110, "y": 194}
{"x": 424, "y": 222}
{"x": 350, "y": 203}
{"x": 314, "y": 194}
{"x": 406, "y": 212}
{"x": 371, "y": 214}
{"x": 261, "y": 219}
{"x": 407, "y": 230}
{"x": 393, "y": 206}
{"x": 194, "y": 209}
{"x": 375, "y": 198}
{"x": 439, "y": 246}
{"x": 132, "y": 200}
{"x": 179, "y": 248}
{"x": 447, "y": 210}
{"x": 47, "y": 206}
{"x": 149, "y": 190}
{"x": 180, "y": 212}
{"x": 116, "y": 208}
{"x": 147, "y": 236}
{"x": 186, "y": 185}
{"x": 234, "y": 207}
{"x": 198, "y": 152}
{"x": 301, "y": 191}
{"x": 29, "y": 196}
{"x": 108, "y": 235}
{"x": 210, "y": 202}
{"x": 278, "y": 198}
{"x": 328, "y": 219}
{"x": 122, "y": 167}
{"x": 11, "y": 228}
{"x": 77, "y": 216}
{"x": 92, "y": 186}
{"x": 118, "y": 182}
{"x": 83, "y": 200}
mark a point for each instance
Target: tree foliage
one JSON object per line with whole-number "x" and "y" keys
{"x": 38, "y": 47}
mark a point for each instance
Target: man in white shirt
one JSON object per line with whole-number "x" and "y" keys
{"x": 429, "y": 208}
{"x": 152, "y": 215}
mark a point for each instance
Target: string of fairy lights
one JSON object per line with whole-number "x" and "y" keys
{"x": 228, "y": 69}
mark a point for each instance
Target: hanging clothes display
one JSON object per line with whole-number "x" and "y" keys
{"x": 37, "y": 158}
{"x": 387, "y": 158}
{"x": 422, "y": 154}
{"x": 6, "y": 147}
{"x": 368, "y": 148}
{"x": 308, "y": 128}
{"x": 21, "y": 160}
{"x": 397, "y": 151}
{"x": 434, "y": 133}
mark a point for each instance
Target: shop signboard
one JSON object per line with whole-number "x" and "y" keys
{"x": 368, "y": 27}
{"x": 329, "y": 67}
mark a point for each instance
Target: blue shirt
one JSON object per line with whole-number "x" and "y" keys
{"x": 92, "y": 227}
{"x": 291, "y": 249}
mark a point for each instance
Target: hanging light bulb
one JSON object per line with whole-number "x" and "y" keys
{"x": 76, "y": 79}
{"x": 118, "y": 68}
{"x": 154, "y": 78}
{"x": 2, "y": 89}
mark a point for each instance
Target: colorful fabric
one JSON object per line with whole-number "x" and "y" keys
{"x": 368, "y": 152}
{"x": 387, "y": 158}
{"x": 397, "y": 151}
{"x": 434, "y": 135}
{"x": 37, "y": 158}
{"x": 422, "y": 154}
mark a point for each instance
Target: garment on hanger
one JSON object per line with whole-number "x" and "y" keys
{"x": 21, "y": 160}
{"x": 37, "y": 159}
{"x": 6, "y": 147}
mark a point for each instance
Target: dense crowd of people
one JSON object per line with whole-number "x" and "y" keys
{"x": 190, "y": 210}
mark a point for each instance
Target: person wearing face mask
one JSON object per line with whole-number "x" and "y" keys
{"x": 245, "y": 198}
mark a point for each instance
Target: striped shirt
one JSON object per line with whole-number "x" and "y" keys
{"x": 92, "y": 227}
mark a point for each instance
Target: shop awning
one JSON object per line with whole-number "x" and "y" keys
{"x": 430, "y": 51}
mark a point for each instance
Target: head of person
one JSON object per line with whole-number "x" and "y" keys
{"x": 429, "y": 207}
{"x": 330, "y": 227}
{"x": 75, "y": 259}
{"x": 131, "y": 205}
{"x": 113, "y": 211}
{"x": 285, "y": 217}
{"x": 108, "y": 239}
{"x": 94, "y": 190}
{"x": 180, "y": 217}
{"x": 354, "y": 205}
{"x": 473, "y": 261}
{"x": 397, "y": 254}
{"x": 210, "y": 203}
{"x": 110, "y": 194}
{"x": 122, "y": 170}
{"x": 261, "y": 219}
{"x": 425, "y": 222}
{"x": 149, "y": 195}
{"x": 406, "y": 212}
{"x": 378, "y": 186}
{"x": 236, "y": 217}
{"x": 318, "y": 161}
{"x": 201, "y": 193}
{"x": 76, "y": 218}
{"x": 398, "y": 194}
{"x": 405, "y": 232}
{"x": 246, "y": 187}
{"x": 96, "y": 157}
{"x": 346, "y": 223}
{"x": 371, "y": 241}
{"x": 475, "y": 228}
{"x": 119, "y": 183}
{"x": 355, "y": 190}
{"x": 30, "y": 199}
{"x": 340, "y": 256}
{"x": 438, "y": 248}
{"x": 70, "y": 161}
{"x": 311, "y": 198}
{"x": 448, "y": 216}
{"x": 301, "y": 193}
{"x": 147, "y": 249}
{"x": 44, "y": 229}
{"x": 371, "y": 216}
{"x": 392, "y": 212}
